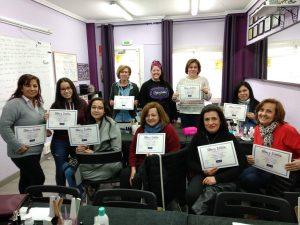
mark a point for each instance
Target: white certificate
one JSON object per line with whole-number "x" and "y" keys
{"x": 124, "y": 102}
{"x": 61, "y": 119}
{"x": 220, "y": 155}
{"x": 31, "y": 135}
{"x": 191, "y": 92}
{"x": 271, "y": 160}
{"x": 151, "y": 143}
{"x": 235, "y": 111}
{"x": 84, "y": 135}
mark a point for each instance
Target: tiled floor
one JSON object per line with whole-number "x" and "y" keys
{"x": 49, "y": 171}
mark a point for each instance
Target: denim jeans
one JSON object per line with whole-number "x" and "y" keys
{"x": 70, "y": 176}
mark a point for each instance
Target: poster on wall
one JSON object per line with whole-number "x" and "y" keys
{"x": 267, "y": 23}
{"x": 83, "y": 71}
{"x": 261, "y": 27}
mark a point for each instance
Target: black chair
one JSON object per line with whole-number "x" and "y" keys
{"x": 36, "y": 192}
{"x": 292, "y": 198}
{"x": 112, "y": 198}
{"x": 238, "y": 204}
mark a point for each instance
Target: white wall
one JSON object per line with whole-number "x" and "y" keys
{"x": 291, "y": 33}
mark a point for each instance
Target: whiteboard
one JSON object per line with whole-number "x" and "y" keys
{"x": 65, "y": 66}
{"x": 20, "y": 56}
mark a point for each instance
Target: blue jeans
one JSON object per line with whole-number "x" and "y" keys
{"x": 59, "y": 150}
{"x": 253, "y": 179}
{"x": 69, "y": 174}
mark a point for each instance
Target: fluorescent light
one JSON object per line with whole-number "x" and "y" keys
{"x": 121, "y": 11}
{"x": 194, "y": 7}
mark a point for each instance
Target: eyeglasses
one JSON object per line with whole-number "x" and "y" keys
{"x": 66, "y": 89}
{"x": 98, "y": 108}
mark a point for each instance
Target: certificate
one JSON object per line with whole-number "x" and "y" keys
{"x": 271, "y": 160}
{"x": 31, "y": 135}
{"x": 220, "y": 155}
{"x": 191, "y": 92}
{"x": 124, "y": 102}
{"x": 61, "y": 119}
{"x": 151, "y": 143}
{"x": 84, "y": 135}
{"x": 235, "y": 111}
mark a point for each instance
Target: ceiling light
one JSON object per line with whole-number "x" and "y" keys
{"x": 194, "y": 7}
{"x": 121, "y": 11}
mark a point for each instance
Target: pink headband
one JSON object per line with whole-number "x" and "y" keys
{"x": 156, "y": 63}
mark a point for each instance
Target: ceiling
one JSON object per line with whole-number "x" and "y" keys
{"x": 98, "y": 11}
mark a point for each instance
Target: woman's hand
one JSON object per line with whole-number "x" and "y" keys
{"x": 48, "y": 133}
{"x": 209, "y": 180}
{"x": 250, "y": 115}
{"x": 88, "y": 151}
{"x": 23, "y": 149}
{"x": 175, "y": 97}
{"x": 81, "y": 149}
{"x": 250, "y": 159}
{"x": 293, "y": 166}
{"x": 111, "y": 102}
{"x": 136, "y": 102}
{"x": 211, "y": 171}
{"x": 205, "y": 90}
{"x": 46, "y": 115}
{"x": 132, "y": 173}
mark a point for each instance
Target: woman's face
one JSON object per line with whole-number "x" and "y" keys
{"x": 243, "y": 93}
{"x": 193, "y": 69}
{"x": 212, "y": 122}
{"x": 31, "y": 89}
{"x": 97, "y": 110}
{"x": 266, "y": 114}
{"x": 66, "y": 90}
{"x": 155, "y": 73}
{"x": 152, "y": 117}
{"x": 124, "y": 74}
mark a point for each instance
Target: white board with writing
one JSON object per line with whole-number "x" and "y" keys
{"x": 65, "y": 66}
{"x": 21, "y": 56}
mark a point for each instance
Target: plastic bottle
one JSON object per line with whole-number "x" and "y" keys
{"x": 103, "y": 218}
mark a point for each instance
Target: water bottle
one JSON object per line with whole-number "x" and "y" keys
{"x": 103, "y": 218}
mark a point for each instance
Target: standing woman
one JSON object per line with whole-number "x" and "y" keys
{"x": 243, "y": 94}
{"x": 24, "y": 108}
{"x": 124, "y": 88}
{"x": 189, "y": 113}
{"x": 158, "y": 90}
{"x": 66, "y": 98}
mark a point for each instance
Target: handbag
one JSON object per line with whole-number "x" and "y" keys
{"x": 11, "y": 203}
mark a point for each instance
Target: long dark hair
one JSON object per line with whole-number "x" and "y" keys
{"x": 25, "y": 79}
{"x": 212, "y": 108}
{"x": 235, "y": 98}
{"x": 107, "y": 111}
{"x": 60, "y": 101}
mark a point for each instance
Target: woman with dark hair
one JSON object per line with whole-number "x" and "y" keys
{"x": 205, "y": 184}
{"x": 158, "y": 90}
{"x": 24, "y": 108}
{"x": 66, "y": 98}
{"x": 272, "y": 131}
{"x": 243, "y": 94}
{"x": 153, "y": 120}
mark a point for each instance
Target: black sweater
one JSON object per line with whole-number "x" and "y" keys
{"x": 222, "y": 175}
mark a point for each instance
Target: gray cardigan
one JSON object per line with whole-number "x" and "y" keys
{"x": 110, "y": 140}
{"x": 16, "y": 112}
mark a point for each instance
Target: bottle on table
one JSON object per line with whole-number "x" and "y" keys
{"x": 102, "y": 218}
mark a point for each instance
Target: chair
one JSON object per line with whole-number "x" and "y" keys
{"x": 292, "y": 198}
{"x": 237, "y": 204}
{"x": 36, "y": 192}
{"x": 112, "y": 198}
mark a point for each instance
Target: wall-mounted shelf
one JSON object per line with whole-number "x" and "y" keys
{"x": 267, "y": 10}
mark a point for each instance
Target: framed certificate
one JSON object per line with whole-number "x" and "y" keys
{"x": 235, "y": 111}
{"x": 255, "y": 31}
{"x": 261, "y": 27}
{"x": 268, "y": 23}
{"x": 191, "y": 92}
{"x": 271, "y": 160}
{"x": 150, "y": 143}
{"x": 84, "y": 135}
{"x": 31, "y": 135}
{"x": 61, "y": 119}
{"x": 220, "y": 155}
{"x": 124, "y": 102}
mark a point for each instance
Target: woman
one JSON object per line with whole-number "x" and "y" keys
{"x": 189, "y": 111}
{"x": 24, "y": 108}
{"x": 68, "y": 99}
{"x": 243, "y": 94}
{"x": 110, "y": 140}
{"x": 272, "y": 131}
{"x": 158, "y": 90}
{"x": 124, "y": 88}
{"x": 153, "y": 120}
{"x": 205, "y": 184}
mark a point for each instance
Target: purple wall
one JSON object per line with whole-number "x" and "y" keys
{"x": 68, "y": 35}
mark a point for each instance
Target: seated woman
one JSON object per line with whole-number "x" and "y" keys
{"x": 110, "y": 140}
{"x": 272, "y": 131}
{"x": 243, "y": 94}
{"x": 205, "y": 184}
{"x": 153, "y": 120}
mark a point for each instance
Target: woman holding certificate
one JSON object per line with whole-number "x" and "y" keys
{"x": 24, "y": 108}
{"x": 66, "y": 99}
{"x": 217, "y": 169}
{"x": 272, "y": 131}
{"x": 158, "y": 90}
{"x": 191, "y": 93}
{"x": 153, "y": 120}
{"x": 124, "y": 108}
